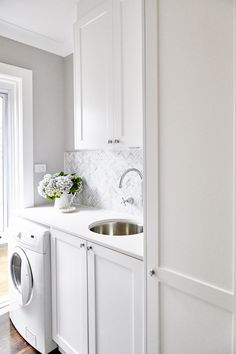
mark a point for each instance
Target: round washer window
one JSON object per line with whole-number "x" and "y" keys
{"x": 21, "y": 276}
{"x": 16, "y": 270}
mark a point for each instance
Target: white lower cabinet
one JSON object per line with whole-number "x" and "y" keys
{"x": 69, "y": 292}
{"x": 97, "y": 298}
{"x": 115, "y": 302}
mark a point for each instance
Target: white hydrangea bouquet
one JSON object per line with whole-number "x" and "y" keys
{"x": 60, "y": 186}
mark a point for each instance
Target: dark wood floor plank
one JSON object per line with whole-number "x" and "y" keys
{"x": 11, "y": 341}
{"x": 3, "y": 273}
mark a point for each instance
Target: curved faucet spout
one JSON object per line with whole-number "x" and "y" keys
{"x": 127, "y": 171}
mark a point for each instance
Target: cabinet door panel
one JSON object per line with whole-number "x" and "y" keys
{"x": 69, "y": 292}
{"x": 195, "y": 180}
{"x": 115, "y": 287}
{"x": 93, "y": 75}
{"x": 128, "y": 101}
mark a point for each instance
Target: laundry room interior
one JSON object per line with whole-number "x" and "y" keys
{"x": 117, "y": 177}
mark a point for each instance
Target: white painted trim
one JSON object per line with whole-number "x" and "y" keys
{"x": 151, "y": 176}
{"x": 197, "y": 288}
{"x": 145, "y": 271}
{"x": 19, "y": 82}
{"x": 34, "y": 39}
{"x": 234, "y": 186}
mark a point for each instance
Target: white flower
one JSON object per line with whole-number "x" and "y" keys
{"x": 53, "y": 186}
{"x": 47, "y": 176}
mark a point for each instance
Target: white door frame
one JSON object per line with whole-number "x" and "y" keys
{"x": 151, "y": 175}
{"x": 17, "y": 82}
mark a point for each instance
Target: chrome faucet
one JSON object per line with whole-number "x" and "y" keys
{"x": 129, "y": 200}
{"x": 126, "y": 172}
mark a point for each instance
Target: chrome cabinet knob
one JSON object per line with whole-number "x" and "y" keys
{"x": 151, "y": 272}
{"x": 89, "y": 248}
{"x": 109, "y": 141}
{"x": 116, "y": 141}
{"x": 82, "y": 245}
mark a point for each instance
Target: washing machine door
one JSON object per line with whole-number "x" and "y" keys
{"x": 21, "y": 276}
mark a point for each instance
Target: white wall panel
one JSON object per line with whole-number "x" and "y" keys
{"x": 196, "y": 138}
{"x": 195, "y": 159}
{"x": 193, "y": 326}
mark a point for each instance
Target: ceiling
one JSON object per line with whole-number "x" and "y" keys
{"x": 44, "y": 24}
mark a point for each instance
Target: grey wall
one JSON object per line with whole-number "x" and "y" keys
{"x": 49, "y": 81}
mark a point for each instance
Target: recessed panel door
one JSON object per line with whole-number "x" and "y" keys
{"x": 115, "y": 302}
{"x": 195, "y": 256}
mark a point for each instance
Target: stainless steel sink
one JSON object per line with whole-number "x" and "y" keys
{"x": 116, "y": 228}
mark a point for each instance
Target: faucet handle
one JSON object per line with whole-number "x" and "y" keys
{"x": 127, "y": 201}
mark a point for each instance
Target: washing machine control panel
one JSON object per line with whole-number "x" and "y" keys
{"x": 31, "y": 235}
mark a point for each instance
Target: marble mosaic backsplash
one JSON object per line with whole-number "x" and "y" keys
{"x": 101, "y": 171}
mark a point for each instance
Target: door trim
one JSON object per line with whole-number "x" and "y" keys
{"x": 151, "y": 252}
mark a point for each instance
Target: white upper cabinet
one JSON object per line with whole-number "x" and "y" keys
{"x": 93, "y": 78}
{"x": 128, "y": 72}
{"x": 108, "y": 75}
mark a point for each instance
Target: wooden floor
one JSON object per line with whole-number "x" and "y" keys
{"x": 10, "y": 340}
{"x": 3, "y": 274}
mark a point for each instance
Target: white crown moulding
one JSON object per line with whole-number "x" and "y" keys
{"x": 34, "y": 39}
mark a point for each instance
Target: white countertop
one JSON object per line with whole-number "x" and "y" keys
{"x": 77, "y": 223}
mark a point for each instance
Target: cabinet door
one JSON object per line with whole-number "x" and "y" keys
{"x": 93, "y": 78}
{"x": 128, "y": 71}
{"x": 69, "y": 293}
{"x": 115, "y": 288}
{"x": 191, "y": 177}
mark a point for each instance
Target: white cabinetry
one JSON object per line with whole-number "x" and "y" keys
{"x": 107, "y": 315}
{"x": 93, "y": 78}
{"x": 108, "y": 75}
{"x": 69, "y": 298}
{"x": 191, "y": 181}
{"x": 128, "y": 71}
{"x": 115, "y": 299}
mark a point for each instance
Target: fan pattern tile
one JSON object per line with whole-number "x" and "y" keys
{"x": 101, "y": 171}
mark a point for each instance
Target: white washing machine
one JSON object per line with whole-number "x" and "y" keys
{"x": 30, "y": 283}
